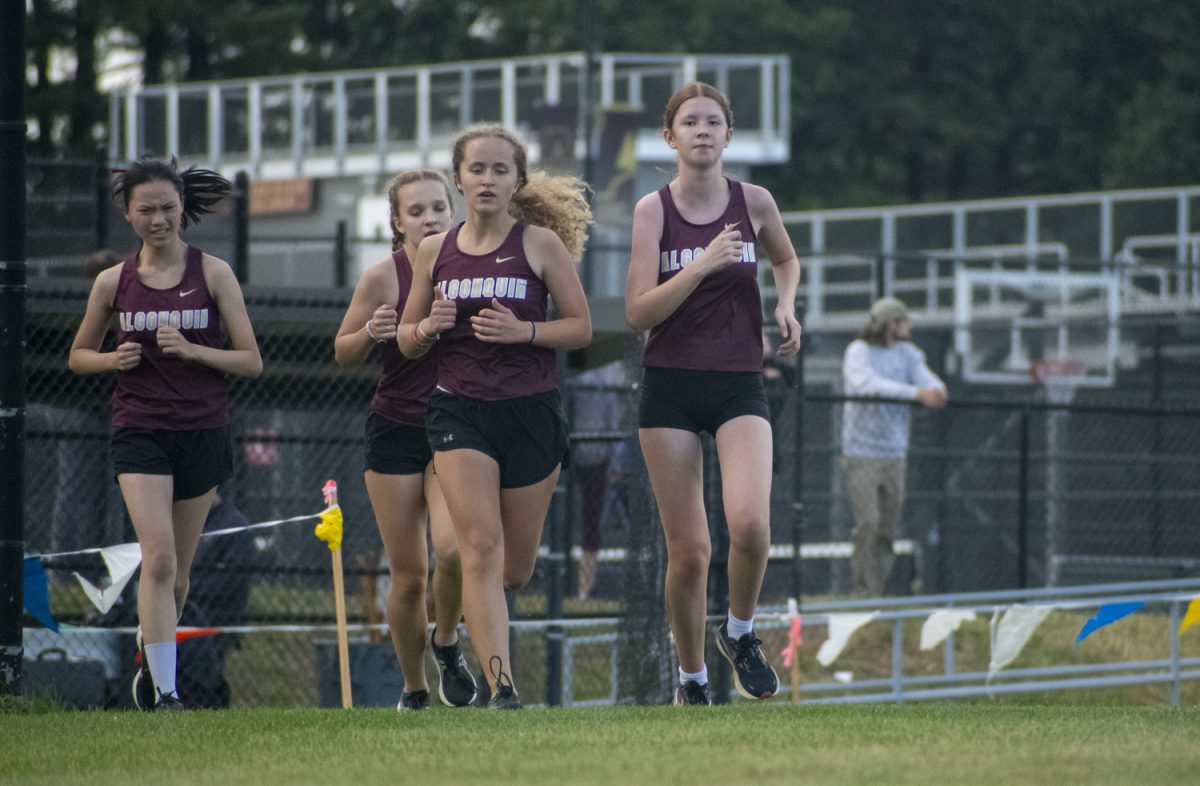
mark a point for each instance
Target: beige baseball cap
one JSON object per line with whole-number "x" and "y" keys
{"x": 888, "y": 308}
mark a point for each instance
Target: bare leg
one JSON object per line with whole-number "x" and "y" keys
{"x": 587, "y": 572}
{"x": 168, "y": 533}
{"x": 447, "y": 570}
{"x": 399, "y": 504}
{"x": 470, "y": 483}
{"x": 498, "y": 533}
{"x": 744, "y": 451}
{"x": 674, "y": 463}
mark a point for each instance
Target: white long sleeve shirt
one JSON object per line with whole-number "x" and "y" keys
{"x": 881, "y": 430}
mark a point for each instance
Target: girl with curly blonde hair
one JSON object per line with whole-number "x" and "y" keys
{"x": 496, "y": 423}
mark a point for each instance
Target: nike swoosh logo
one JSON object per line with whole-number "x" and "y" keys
{"x": 502, "y": 260}
{"x": 187, "y": 292}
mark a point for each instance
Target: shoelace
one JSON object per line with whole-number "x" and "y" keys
{"x": 747, "y": 652}
{"x": 167, "y": 698}
{"x": 504, "y": 686}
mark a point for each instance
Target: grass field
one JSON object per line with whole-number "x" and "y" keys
{"x": 734, "y": 744}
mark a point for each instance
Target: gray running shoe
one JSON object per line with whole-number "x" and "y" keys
{"x": 456, "y": 685}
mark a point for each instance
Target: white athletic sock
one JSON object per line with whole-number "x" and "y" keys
{"x": 699, "y": 677}
{"x": 161, "y": 657}
{"x": 737, "y": 628}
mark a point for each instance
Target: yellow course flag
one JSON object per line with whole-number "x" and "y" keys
{"x": 1192, "y": 616}
{"x": 330, "y": 528}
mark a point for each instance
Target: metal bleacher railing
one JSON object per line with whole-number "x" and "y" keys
{"x": 913, "y": 251}
{"x": 383, "y": 120}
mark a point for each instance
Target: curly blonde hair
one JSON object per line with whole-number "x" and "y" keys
{"x": 557, "y": 202}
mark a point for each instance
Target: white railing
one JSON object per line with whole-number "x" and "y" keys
{"x": 1166, "y": 600}
{"x": 377, "y": 121}
{"x": 852, "y": 255}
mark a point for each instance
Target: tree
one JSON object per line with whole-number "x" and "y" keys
{"x": 892, "y": 100}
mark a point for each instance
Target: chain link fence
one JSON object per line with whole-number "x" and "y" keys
{"x": 1008, "y": 486}
{"x": 1005, "y": 488}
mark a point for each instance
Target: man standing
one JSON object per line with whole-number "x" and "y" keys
{"x": 882, "y": 361}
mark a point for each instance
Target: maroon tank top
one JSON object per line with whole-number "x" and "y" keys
{"x": 473, "y": 368}
{"x": 718, "y": 327}
{"x": 402, "y": 394}
{"x": 165, "y": 392}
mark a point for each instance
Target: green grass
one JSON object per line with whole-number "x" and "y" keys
{"x": 742, "y": 743}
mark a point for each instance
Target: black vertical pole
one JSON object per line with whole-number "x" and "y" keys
{"x": 1157, "y": 447}
{"x": 798, "y": 511}
{"x": 588, "y": 32}
{"x": 102, "y": 197}
{"x": 1023, "y": 502}
{"x": 12, "y": 341}
{"x": 241, "y": 227}
{"x": 720, "y": 677}
{"x": 555, "y": 586}
{"x": 556, "y": 567}
{"x": 341, "y": 256}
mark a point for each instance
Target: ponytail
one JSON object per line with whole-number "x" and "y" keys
{"x": 558, "y": 203}
{"x": 199, "y": 189}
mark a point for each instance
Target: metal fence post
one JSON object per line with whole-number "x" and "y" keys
{"x": 1023, "y": 502}
{"x": 1173, "y": 621}
{"x": 102, "y": 197}
{"x": 798, "y": 510}
{"x": 555, "y": 587}
{"x": 718, "y": 569}
{"x": 341, "y": 256}
{"x": 12, "y": 343}
{"x": 241, "y": 227}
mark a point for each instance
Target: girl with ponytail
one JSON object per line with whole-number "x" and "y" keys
{"x": 480, "y": 293}
{"x": 182, "y": 328}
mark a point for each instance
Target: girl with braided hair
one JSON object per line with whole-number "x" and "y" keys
{"x": 170, "y": 441}
{"x": 480, "y": 293}
{"x": 399, "y": 469}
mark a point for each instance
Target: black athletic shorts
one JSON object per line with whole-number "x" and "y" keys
{"x": 199, "y": 459}
{"x": 396, "y": 448}
{"x": 526, "y": 436}
{"x": 699, "y": 401}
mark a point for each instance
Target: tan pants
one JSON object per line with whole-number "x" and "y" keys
{"x": 876, "y": 489}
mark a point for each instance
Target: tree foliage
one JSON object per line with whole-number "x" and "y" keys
{"x": 892, "y": 100}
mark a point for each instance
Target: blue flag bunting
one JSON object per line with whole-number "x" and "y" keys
{"x": 1107, "y": 615}
{"x": 37, "y": 596}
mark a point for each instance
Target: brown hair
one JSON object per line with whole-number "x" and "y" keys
{"x": 558, "y": 203}
{"x": 400, "y": 181}
{"x": 875, "y": 332}
{"x": 696, "y": 90}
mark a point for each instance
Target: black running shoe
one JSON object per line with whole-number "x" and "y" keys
{"x": 144, "y": 695}
{"x": 169, "y": 702}
{"x": 485, "y": 691}
{"x": 416, "y": 700}
{"x": 505, "y": 695}
{"x": 690, "y": 693}
{"x": 753, "y": 676}
{"x": 456, "y": 685}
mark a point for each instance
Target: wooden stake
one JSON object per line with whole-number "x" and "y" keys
{"x": 339, "y": 601}
{"x": 795, "y": 676}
